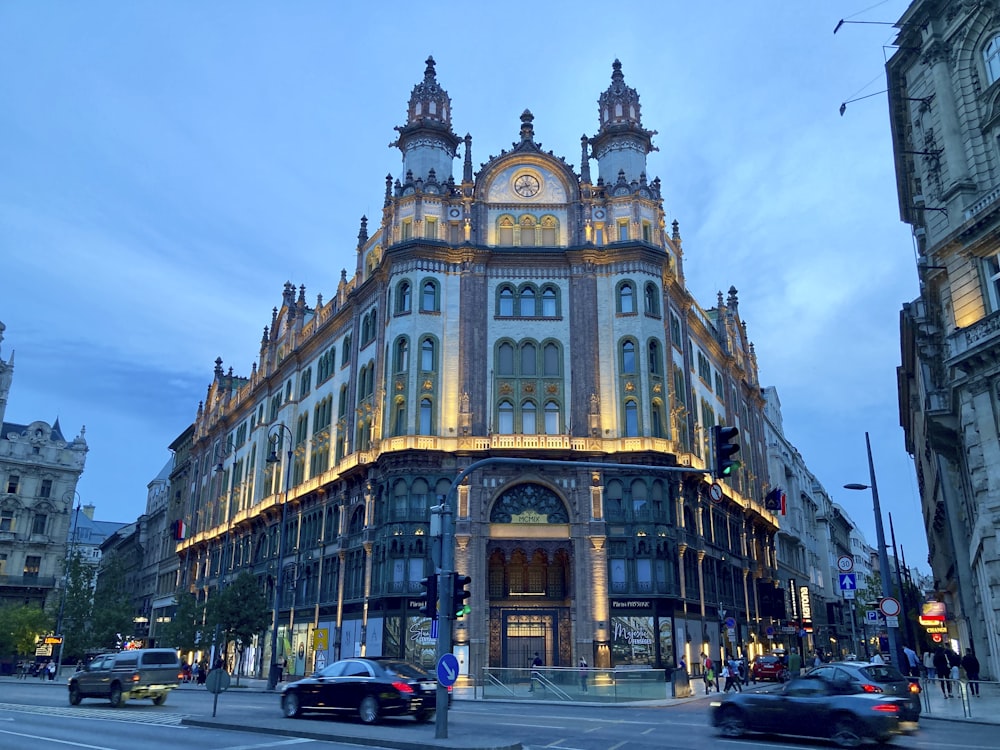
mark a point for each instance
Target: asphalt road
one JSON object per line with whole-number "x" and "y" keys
{"x": 37, "y": 716}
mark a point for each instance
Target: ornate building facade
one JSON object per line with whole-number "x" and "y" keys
{"x": 944, "y": 97}
{"x": 521, "y": 310}
{"x": 39, "y": 470}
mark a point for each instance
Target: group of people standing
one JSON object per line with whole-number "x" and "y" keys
{"x": 44, "y": 670}
{"x": 945, "y": 664}
{"x": 734, "y": 671}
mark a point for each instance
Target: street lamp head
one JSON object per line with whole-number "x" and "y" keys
{"x": 218, "y": 467}
{"x": 273, "y": 457}
{"x": 856, "y": 486}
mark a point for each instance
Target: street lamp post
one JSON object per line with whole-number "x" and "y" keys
{"x": 274, "y": 436}
{"x": 883, "y": 556}
{"x": 70, "y": 546}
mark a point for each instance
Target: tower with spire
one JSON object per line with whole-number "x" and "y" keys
{"x": 622, "y": 144}
{"x": 427, "y": 140}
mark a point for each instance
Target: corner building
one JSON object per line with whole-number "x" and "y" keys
{"x": 521, "y": 311}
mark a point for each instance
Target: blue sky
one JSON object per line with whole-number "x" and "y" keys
{"x": 166, "y": 167}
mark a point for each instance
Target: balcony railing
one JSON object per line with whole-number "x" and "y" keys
{"x": 43, "y": 582}
{"x": 981, "y": 334}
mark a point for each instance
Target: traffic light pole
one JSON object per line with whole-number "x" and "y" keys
{"x": 446, "y": 581}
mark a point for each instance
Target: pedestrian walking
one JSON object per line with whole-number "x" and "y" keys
{"x": 583, "y": 674}
{"x": 954, "y": 662}
{"x": 734, "y": 671}
{"x": 971, "y": 666}
{"x": 929, "y": 665}
{"x": 52, "y": 671}
{"x": 912, "y": 662}
{"x": 534, "y": 675}
{"x": 942, "y": 669}
{"x": 877, "y": 658}
{"x": 795, "y": 662}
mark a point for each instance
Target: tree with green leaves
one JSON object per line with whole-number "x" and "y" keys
{"x": 21, "y": 627}
{"x": 184, "y": 631}
{"x": 113, "y": 613}
{"x": 77, "y": 608}
{"x": 241, "y": 612}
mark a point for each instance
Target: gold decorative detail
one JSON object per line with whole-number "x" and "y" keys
{"x": 400, "y": 385}
{"x": 529, "y": 516}
{"x": 630, "y": 386}
{"x": 505, "y": 388}
{"x": 551, "y": 388}
{"x": 428, "y": 385}
{"x": 658, "y": 388}
{"x": 529, "y": 387}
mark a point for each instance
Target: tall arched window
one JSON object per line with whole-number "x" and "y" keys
{"x": 403, "y": 297}
{"x": 631, "y": 419}
{"x": 628, "y": 357}
{"x": 526, "y": 303}
{"x": 552, "y": 426}
{"x": 505, "y": 359}
{"x": 652, "y": 299}
{"x": 550, "y": 360}
{"x": 401, "y": 356}
{"x": 429, "y": 297}
{"x": 399, "y": 418}
{"x": 529, "y": 359}
{"x": 505, "y": 421}
{"x": 528, "y": 224}
{"x": 549, "y": 307}
{"x": 659, "y": 425}
{"x": 550, "y": 231}
{"x": 655, "y": 358}
{"x": 991, "y": 59}
{"x": 528, "y": 418}
{"x": 506, "y": 307}
{"x": 427, "y": 355}
{"x": 505, "y": 231}
{"x": 426, "y": 417}
{"x": 626, "y": 297}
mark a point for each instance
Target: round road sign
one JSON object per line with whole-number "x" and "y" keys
{"x": 845, "y": 563}
{"x": 889, "y": 606}
{"x": 715, "y": 492}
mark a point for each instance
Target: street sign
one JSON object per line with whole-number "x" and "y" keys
{"x": 715, "y": 492}
{"x": 889, "y": 606}
{"x": 891, "y": 621}
{"x": 845, "y": 564}
{"x": 872, "y": 616}
{"x": 769, "y": 631}
{"x": 217, "y": 681}
{"x": 848, "y": 582}
{"x": 447, "y": 669}
{"x": 730, "y": 622}
{"x": 848, "y": 593}
{"x": 321, "y": 639}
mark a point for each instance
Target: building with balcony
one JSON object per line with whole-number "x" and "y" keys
{"x": 39, "y": 470}
{"x": 944, "y": 100}
{"x": 521, "y": 311}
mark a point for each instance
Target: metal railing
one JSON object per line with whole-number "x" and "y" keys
{"x": 962, "y": 698}
{"x": 572, "y": 684}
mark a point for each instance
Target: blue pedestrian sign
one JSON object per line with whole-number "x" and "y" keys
{"x": 848, "y": 582}
{"x": 447, "y": 669}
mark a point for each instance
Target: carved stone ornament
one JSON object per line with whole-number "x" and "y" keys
{"x": 529, "y": 497}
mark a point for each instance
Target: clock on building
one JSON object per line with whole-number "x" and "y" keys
{"x": 527, "y": 185}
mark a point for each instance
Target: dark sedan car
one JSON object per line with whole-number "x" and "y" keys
{"x": 882, "y": 679}
{"x": 810, "y": 707}
{"x": 370, "y": 688}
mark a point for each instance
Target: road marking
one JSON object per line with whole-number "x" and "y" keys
{"x": 105, "y": 714}
{"x": 296, "y": 741}
{"x": 533, "y": 726}
{"x": 50, "y": 739}
{"x": 615, "y": 747}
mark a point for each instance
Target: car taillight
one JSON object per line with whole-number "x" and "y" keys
{"x": 402, "y": 687}
{"x": 914, "y": 687}
{"x": 135, "y": 677}
{"x": 869, "y": 688}
{"x": 886, "y": 708}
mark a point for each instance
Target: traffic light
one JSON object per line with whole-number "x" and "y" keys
{"x": 430, "y": 609}
{"x": 459, "y": 606}
{"x": 725, "y": 449}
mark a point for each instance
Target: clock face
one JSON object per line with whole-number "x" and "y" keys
{"x": 527, "y": 185}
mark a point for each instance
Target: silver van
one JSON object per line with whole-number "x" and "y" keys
{"x": 142, "y": 673}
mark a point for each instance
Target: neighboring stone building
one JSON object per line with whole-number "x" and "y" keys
{"x": 521, "y": 311}
{"x": 39, "y": 471}
{"x": 944, "y": 101}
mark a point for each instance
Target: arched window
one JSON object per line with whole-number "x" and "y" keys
{"x": 529, "y": 359}
{"x": 526, "y": 303}
{"x": 550, "y": 231}
{"x": 550, "y": 308}
{"x": 991, "y": 59}
{"x": 505, "y": 359}
{"x": 628, "y": 357}
{"x": 426, "y": 417}
{"x": 342, "y": 404}
{"x": 429, "y": 297}
{"x": 399, "y": 418}
{"x": 528, "y": 418}
{"x": 652, "y": 299}
{"x": 345, "y": 355}
{"x": 403, "y": 297}
{"x": 552, "y": 426}
{"x": 505, "y": 231}
{"x": 631, "y": 419}
{"x": 505, "y": 423}
{"x": 506, "y": 307}
{"x": 427, "y": 355}
{"x": 655, "y": 358}
{"x": 401, "y": 356}
{"x": 550, "y": 360}
{"x": 528, "y": 224}
{"x": 626, "y": 297}
{"x": 658, "y": 426}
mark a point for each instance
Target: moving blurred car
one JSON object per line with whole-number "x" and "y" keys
{"x": 810, "y": 706}
{"x": 883, "y": 679}
{"x": 119, "y": 677}
{"x": 370, "y": 688}
{"x": 769, "y": 668}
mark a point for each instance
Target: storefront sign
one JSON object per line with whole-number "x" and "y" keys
{"x": 806, "y": 606}
{"x": 632, "y": 640}
{"x": 631, "y": 604}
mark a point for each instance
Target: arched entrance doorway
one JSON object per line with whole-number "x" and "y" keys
{"x": 529, "y": 562}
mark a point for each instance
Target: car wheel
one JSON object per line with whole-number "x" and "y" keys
{"x": 846, "y": 733}
{"x": 159, "y": 700}
{"x": 423, "y": 715}
{"x": 369, "y": 709}
{"x": 732, "y": 723}
{"x": 74, "y": 695}
{"x": 290, "y": 705}
{"x": 116, "y": 698}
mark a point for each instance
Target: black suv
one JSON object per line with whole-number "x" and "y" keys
{"x": 142, "y": 673}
